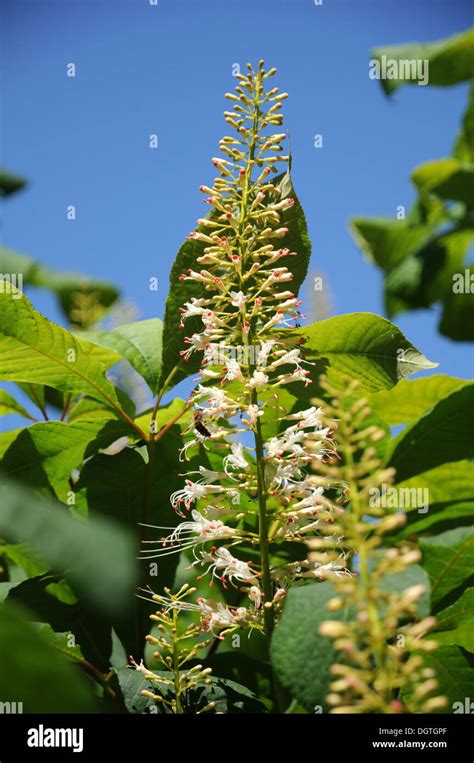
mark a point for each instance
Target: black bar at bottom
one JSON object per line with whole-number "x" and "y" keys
{"x": 89, "y": 737}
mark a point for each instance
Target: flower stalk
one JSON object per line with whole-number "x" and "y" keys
{"x": 381, "y": 668}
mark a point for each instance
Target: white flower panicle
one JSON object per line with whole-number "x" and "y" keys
{"x": 242, "y": 309}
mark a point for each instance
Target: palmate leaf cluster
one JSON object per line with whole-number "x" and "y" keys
{"x": 87, "y": 468}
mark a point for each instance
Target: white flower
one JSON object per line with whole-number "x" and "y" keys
{"x": 253, "y": 411}
{"x": 274, "y": 447}
{"x": 235, "y": 459}
{"x": 321, "y": 570}
{"x": 214, "y": 614}
{"x": 191, "y": 492}
{"x": 313, "y": 499}
{"x": 136, "y": 665}
{"x": 285, "y": 473}
{"x": 238, "y": 298}
{"x": 265, "y": 349}
{"x": 195, "y": 307}
{"x": 255, "y": 595}
{"x": 311, "y": 417}
{"x": 300, "y": 374}
{"x": 258, "y": 379}
{"x": 233, "y": 370}
{"x": 198, "y": 343}
{"x": 293, "y": 357}
{"x": 223, "y": 565}
{"x": 187, "y": 535}
{"x": 217, "y": 398}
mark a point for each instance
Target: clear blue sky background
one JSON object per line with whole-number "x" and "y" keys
{"x": 143, "y": 69}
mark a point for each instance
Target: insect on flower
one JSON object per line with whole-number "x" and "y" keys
{"x": 198, "y": 423}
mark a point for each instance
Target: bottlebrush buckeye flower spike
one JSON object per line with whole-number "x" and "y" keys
{"x": 246, "y": 306}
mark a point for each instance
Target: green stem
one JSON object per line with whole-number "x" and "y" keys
{"x": 268, "y": 613}
{"x": 360, "y": 543}
{"x": 177, "y": 686}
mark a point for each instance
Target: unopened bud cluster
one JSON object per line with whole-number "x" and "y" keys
{"x": 381, "y": 644}
{"x": 176, "y": 646}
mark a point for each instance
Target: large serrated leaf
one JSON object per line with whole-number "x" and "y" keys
{"x": 300, "y": 656}
{"x": 443, "y": 434}
{"x": 411, "y": 399}
{"x": 35, "y": 350}
{"x": 140, "y": 343}
{"x": 454, "y": 669}
{"x": 455, "y": 624}
{"x": 363, "y": 346}
{"x": 46, "y": 453}
{"x": 447, "y": 558}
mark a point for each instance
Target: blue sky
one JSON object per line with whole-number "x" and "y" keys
{"x": 163, "y": 69}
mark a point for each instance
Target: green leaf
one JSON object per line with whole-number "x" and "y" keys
{"x": 23, "y": 557}
{"x": 464, "y": 148}
{"x": 87, "y": 408}
{"x": 6, "y": 439}
{"x": 455, "y": 624}
{"x": 448, "y": 178}
{"x": 253, "y": 673}
{"x": 437, "y": 272}
{"x": 300, "y": 656}
{"x": 132, "y": 684}
{"x": 8, "y": 404}
{"x": 128, "y": 490}
{"x": 46, "y": 453}
{"x": 443, "y": 434}
{"x": 457, "y": 319}
{"x": 174, "y": 368}
{"x": 449, "y": 59}
{"x": 34, "y": 350}
{"x": 10, "y": 183}
{"x": 386, "y": 242}
{"x": 63, "y": 642}
{"x": 440, "y": 517}
{"x": 447, "y": 558}
{"x": 96, "y": 557}
{"x": 411, "y": 399}
{"x": 33, "y": 672}
{"x": 450, "y": 491}
{"x": 230, "y": 697}
{"x": 91, "y": 630}
{"x": 140, "y": 343}
{"x": 68, "y": 287}
{"x": 297, "y": 240}
{"x": 455, "y": 676}
{"x": 365, "y": 347}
